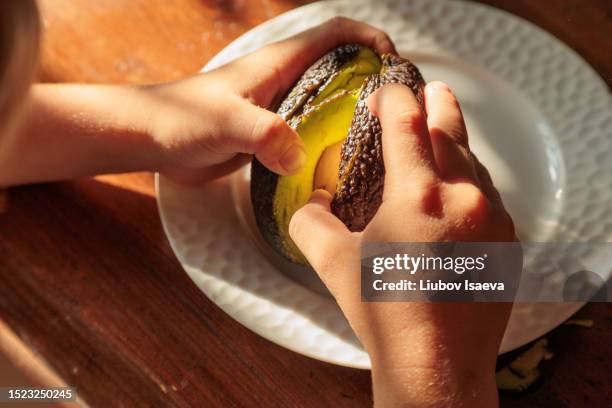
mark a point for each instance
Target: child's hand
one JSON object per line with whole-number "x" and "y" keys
{"x": 192, "y": 130}
{"x": 423, "y": 354}
{"x": 209, "y": 124}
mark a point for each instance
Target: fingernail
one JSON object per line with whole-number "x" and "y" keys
{"x": 436, "y": 86}
{"x": 320, "y": 197}
{"x": 293, "y": 159}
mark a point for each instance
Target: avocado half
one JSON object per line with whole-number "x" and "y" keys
{"x": 327, "y": 108}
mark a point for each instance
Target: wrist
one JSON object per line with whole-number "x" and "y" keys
{"x": 436, "y": 386}
{"x": 430, "y": 366}
{"x": 178, "y": 123}
{"x": 432, "y": 335}
{"x": 142, "y": 116}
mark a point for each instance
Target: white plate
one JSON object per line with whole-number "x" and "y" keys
{"x": 538, "y": 116}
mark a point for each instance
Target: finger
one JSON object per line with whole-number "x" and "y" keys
{"x": 277, "y": 66}
{"x": 486, "y": 182}
{"x": 315, "y": 219}
{"x": 189, "y": 176}
{"x": 407, "y": 151}
{"x": 503, "y": 220}
{"x": 254, "y": 130}
{"x": 448, "y": 134}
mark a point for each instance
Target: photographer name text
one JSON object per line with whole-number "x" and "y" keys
{"x": 440, "y": 285}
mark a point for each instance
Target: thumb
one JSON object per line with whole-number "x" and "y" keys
{"x": 257, "y": 131}
{"x": 318, "y": 233}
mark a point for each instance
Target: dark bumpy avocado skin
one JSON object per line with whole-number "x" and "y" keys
{"x": 314, "y": 80}
{"x": 362, "y": 169}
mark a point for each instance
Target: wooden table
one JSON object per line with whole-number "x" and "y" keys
{"x": 91, "y": 294}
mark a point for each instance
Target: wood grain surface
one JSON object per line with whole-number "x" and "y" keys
{"x": 89, "y": 283}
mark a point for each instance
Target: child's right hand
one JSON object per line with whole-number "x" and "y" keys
{"x": 423, "y": 354}
{"x": 192, "y": 130}
{"x": 210, "y": 124}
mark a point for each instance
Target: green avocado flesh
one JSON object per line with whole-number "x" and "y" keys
{"x": 325, "y": 126}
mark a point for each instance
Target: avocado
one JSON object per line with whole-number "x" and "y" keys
{"x": 327, "y": 108}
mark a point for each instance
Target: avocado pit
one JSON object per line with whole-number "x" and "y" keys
{"x": 326, "y": 172}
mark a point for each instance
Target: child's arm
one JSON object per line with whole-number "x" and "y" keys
{"x": 77, "y": 130}
{"x": 195, "y": 129}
